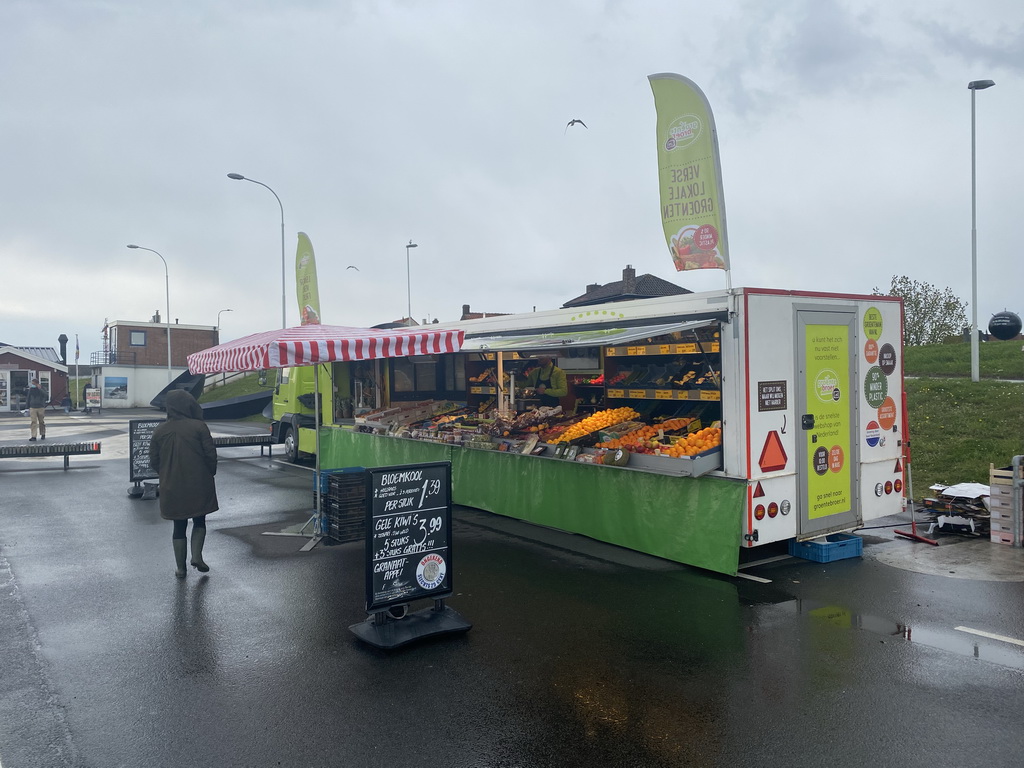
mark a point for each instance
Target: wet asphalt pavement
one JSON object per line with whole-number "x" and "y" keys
{"x": 581, "y": 654}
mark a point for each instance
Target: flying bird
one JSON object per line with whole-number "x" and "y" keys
{"x": 351, "y": 267}
{"x": 573, "y": 122}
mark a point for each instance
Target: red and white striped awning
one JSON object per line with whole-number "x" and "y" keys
{"x": 312, "y": 344}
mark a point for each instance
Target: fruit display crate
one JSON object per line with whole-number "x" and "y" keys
{"x": 835, "y": 546}
{"x": 684, "y": 466}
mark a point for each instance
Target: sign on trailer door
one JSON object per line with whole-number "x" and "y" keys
{"x": 826, "y": 346}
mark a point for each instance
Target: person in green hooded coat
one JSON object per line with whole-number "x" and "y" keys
{"x": 183, "y": 453}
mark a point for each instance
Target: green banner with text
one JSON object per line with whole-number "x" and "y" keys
{"x": 690, "y": 175}
{"x": 305, "y": 282}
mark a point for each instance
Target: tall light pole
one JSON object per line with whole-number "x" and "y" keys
{"x": 218, "y": 320}
{"x": 974, "y": 85}
{"x": 408, "y": 283}
{"x": 240, "y": 177}
{"x": 167, "y": 286}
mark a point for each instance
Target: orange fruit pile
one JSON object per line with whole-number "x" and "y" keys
{"x": 694, "y": 443}
{"x": 596, "y": 421}
{"x": 642, "y": 435}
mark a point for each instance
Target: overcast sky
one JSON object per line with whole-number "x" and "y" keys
{"x": 844, "y": 130}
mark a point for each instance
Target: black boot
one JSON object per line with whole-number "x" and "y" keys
{"x": 198, "y": 539}
{"x": 180, "y": 551}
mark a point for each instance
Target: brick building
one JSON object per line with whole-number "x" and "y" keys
{"x": 132, "y": 367}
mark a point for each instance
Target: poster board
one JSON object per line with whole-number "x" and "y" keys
{"x": 93, "y": 398}
{"x": 140, "y": 433}
{"x": 408, "y": 534}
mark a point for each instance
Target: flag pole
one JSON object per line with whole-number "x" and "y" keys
{"x": 76, "y": 372}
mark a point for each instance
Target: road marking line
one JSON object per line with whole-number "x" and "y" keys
{"x": 753, "y": 578}
{"x": 991, "y": 636}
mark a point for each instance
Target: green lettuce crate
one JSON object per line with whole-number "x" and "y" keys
{"x": 835, "y": 546}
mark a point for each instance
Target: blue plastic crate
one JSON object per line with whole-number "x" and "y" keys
{"x": 835, "y": 546}
{"x": 326, "y": 473}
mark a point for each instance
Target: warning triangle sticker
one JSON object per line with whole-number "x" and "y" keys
{"x": 899, "y": 467}
{"x": 758, "y": 490}
{"x": 773, "y": 455}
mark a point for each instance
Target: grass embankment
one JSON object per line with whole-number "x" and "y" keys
{"x": 959, "y": 427}
{"x": 241, "y": 385}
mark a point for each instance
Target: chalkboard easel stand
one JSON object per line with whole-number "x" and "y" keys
{"x": 382, "y": 630}
{"x": 314, "y": 538}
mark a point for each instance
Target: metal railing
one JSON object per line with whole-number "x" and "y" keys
{"x": 112, "y": 357}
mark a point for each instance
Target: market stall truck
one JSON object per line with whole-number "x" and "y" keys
{"x": 807, "y": 391}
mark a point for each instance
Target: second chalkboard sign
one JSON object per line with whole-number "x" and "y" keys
{"x": 408, "y": 534}
{"x": 140, "y": 434}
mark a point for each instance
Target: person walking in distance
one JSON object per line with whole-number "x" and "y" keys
{"x": 183, "y": 454}
{"x": 37, "y": 410}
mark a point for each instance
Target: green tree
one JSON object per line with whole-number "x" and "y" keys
{"x": 930, "y": 314}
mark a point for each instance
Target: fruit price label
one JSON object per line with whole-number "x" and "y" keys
{"x": 638, "y": 393}
{"x": 636, "y": 351}
{"x": 664, "y": 394}
{"x": 686, "y": 349}
{"x": 710, "y": 394}
{"x": 664, "y": 349}
{"x": 408, "y": 528}
{"x": 616, "y": 393}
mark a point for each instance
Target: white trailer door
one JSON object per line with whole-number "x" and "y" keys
{"x": 826, "y": 346}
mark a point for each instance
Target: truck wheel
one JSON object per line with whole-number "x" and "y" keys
{"x": 291, "y": 445}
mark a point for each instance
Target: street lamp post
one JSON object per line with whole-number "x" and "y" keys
{"x": 974, "y": 85}
{"x": 408, "y": 283}
{"x": 167, "y": 287}
{"x": 240, "y": 177}
{"x": 218, "y": 320}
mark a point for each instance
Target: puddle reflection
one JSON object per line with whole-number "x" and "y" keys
{"x": 950, "y": 640}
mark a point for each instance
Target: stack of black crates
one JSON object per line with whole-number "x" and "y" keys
{"x": 343, "y": 503}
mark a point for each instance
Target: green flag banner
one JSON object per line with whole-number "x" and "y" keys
{"x": 690, "y": 175}
{"x": 305, "y": 282}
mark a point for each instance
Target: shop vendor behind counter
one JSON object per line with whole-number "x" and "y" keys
{"x": 548, "y": 381}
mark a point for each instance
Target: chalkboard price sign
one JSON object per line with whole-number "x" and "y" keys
{"x": 408, "y": 534}
{"x": 140, "y": 433}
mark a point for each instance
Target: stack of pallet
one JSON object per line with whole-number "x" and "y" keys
{"x": 1004, "y": 501}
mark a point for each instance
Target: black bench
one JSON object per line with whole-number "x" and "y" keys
{"x": 49, "y": 449}
{"x": 263, "y": 441}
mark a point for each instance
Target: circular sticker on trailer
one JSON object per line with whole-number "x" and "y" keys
{"x": 430, "y": 571}
{"x": 835, "y": 459}
{"x": 871, "y": 351}
{"x": 819, "y": 460}
{"x": 876, "y": 387}
{"x": 887, "y": 359}
{"x": 873, "y": 323}
{"x": 887, "y": 414}
{"x": 872, "y": 433}
{"x": 826, "y": 385}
